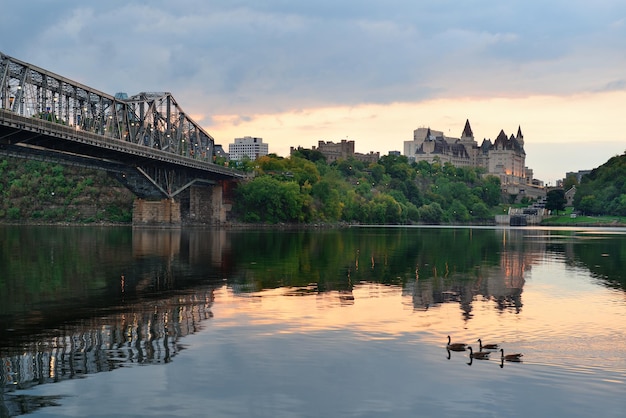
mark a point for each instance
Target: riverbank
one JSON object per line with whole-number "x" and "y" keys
{"x": 571, "y": 218}
{"x": 578, "y": 220}
{"x": 560, "y": 220}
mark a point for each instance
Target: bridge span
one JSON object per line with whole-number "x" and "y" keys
{"x": 146, "y": 141}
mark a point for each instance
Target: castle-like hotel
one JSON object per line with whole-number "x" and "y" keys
{"x": 505, "y": 157}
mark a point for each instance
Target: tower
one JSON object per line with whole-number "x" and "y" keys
{"x": 520, "y": 137}
{"x": 467, "y": 131}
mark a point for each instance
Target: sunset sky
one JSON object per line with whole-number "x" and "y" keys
{"x": 295, "y": 73}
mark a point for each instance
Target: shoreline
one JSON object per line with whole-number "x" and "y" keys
{"x": 287, "y": 226}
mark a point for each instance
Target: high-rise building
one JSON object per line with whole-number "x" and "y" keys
{"x": 247, "y": 146}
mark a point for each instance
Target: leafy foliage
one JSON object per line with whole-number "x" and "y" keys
{"x": 555, "y": 200}
{"x": 46, "y": 192}
{"x": 266, "y": 199}
{"x": 304, "y": 188}
{"x": 603, "y": 191}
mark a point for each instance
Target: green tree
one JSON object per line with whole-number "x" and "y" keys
{"x": 481, "y": 212}
{"x": 265, "y": 199}
{"x": 457, "y": 212}
{"x": 271, "y": 163}
{"x": 588, "y": 205}
{"x": 431, "y": 213}
{"x": 397, "y": 166}
{"x": 377, "y": 171}
{"x": 385, "y": 210}
{"x": 555, "y": 200}
{"x": 327, "y": 199}
{"x": 489, "y": 190}
{"x": 303, "y": 171}
{"x": 309, "y": 154}
{"x": 350, "y": 167}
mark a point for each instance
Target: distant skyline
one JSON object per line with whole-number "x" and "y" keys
{"x": 295, "y": 73}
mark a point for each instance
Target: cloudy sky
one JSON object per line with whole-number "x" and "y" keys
{"x": 297, "y": 72}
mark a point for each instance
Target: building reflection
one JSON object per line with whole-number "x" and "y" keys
{"x": 503, "y": 283}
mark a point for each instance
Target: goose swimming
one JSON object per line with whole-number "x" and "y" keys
{"x": 487, "y": 346}
{"x": 479, "y": 355}
{"x": 511, "y": 357}
{"x": 455, "y": 346}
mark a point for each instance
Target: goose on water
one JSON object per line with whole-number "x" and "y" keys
{"x": 511, "y": 357}
{"x": 487, "y": 346}
{"x": 455, "y": 346}
{"x": 479, "y": 355}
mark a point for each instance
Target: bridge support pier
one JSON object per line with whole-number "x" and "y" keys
{"x": 197, "y": 205}
{"x": 164, "y": 212}
{"x": 206, "y": 205}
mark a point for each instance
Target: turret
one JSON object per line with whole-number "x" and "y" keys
{"x": 467, "y": 131}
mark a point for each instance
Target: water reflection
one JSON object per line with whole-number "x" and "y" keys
{"x": 146, "y": 333}
{"x": 66, "y": 316}
{"x": 79, "y": 301}
{"x": 51, "y": 276}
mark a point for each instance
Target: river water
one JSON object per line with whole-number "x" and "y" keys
{"x": 349, "y": 322}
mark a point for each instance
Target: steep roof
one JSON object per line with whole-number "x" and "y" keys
{"x": 443, "y": 147}
{"x": 467, "y": 130}
{"x": 486, "y": 146}
{"x": 502, "y": 141}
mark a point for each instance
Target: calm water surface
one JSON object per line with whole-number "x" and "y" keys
{"x": 329, "y": 323}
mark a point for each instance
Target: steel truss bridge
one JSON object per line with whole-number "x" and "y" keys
{"x": 146, "y": 141}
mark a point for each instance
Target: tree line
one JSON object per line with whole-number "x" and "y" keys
{"x": 304, "y": 188}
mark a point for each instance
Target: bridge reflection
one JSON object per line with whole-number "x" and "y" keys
{"x": 144, "y": 333}
{"x": 126, "y": 297}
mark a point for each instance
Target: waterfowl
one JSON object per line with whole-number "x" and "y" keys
{"x": 511, "y": 357}
{"x": 455, "y": 346}
{"x": 487, "y": 346}
{"x": 479, "y": 355}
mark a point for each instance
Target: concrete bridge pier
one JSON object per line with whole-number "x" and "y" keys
{"x": 197, "y": 205}
{"x": 164, "y": 212}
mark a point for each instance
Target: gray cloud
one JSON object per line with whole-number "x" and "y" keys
{"x": 615, "y": 85}
{"x": 245, "y": 57}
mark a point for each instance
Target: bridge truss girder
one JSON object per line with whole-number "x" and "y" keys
{"x": 154, "y": 183}
{"x": 153, "y": 120}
